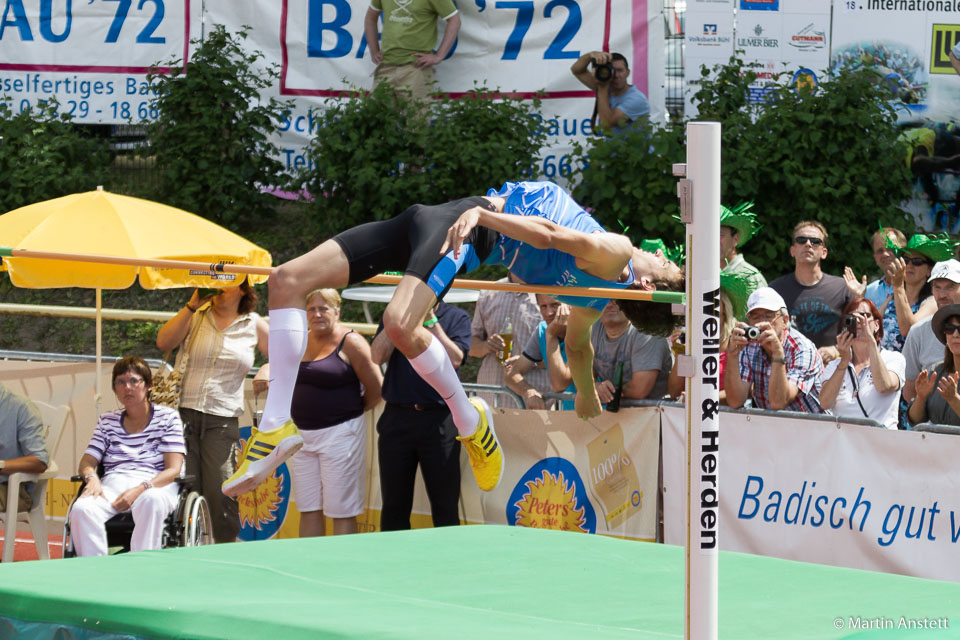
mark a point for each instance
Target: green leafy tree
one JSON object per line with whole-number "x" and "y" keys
{"x": 376, "y": 153}
{"x": 211, "y": 138}
{"x": 43, "y": 156}
{"x": 627, "y": 180}
{"x": 828, "y": 153}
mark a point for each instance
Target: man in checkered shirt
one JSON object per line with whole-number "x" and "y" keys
{"x": 779, "y": 368}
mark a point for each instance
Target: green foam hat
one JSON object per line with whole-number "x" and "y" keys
{"x": 936, "y": 246}
{"x": 738, "y": 288}
{"x": 742, "y": 219}
{"x": 676, "y": 254}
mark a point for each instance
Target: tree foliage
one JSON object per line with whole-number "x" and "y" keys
{"x": 374, "y": 154}
{"x": 44, "y": 156}
{"x": 828, "y": 153}
{"x": 212, "y": 136}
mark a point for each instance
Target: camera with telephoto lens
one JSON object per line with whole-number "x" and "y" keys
{"x": 850, "y": 324}
{"x": 602, "y": 71}
{"x": 752, "y": 333}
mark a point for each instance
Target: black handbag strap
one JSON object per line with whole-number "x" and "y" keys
{"x": 856, "y": 388}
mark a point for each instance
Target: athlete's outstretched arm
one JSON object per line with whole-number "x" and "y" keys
{"x": 607, "y": 251}
{"x": 580, "y": 359}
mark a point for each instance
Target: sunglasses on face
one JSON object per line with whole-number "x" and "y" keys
{"x": 917, "y": 262}
{"x": 802, "y": 240}
{"x": 949, "y": 329}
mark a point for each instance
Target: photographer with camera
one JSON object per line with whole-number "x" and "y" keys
{"x": 865, "y": 381}
{"x": 618, "y": 103}
{"x": 778, "y": 368}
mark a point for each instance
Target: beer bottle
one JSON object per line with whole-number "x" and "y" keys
{"x": 507, "y": 334}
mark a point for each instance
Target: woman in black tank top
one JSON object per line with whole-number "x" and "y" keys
{"x": 337, "y": 382}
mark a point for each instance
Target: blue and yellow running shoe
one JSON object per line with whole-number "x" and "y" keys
{"x": 486, "y": 455}
{"x": 263, "y": 452}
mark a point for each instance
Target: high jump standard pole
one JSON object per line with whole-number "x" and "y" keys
{"x": 699, "y": 193}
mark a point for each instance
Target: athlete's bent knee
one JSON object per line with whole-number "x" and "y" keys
{"x": 282, "y": 282}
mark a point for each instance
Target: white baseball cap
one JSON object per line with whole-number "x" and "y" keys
{"x": 765, "y": 298}
{"x": 949, "y": 269}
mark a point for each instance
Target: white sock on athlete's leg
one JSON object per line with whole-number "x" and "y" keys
{"x": 288, "y": 343}
{"x": 434, "y": 366}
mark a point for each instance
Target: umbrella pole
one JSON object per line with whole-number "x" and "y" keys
{"x": 98, "y": 397}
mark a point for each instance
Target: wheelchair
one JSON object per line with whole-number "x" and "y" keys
{"x": 188, "y": 525}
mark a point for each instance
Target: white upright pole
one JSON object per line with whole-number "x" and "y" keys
{"x": 703, "y": 343}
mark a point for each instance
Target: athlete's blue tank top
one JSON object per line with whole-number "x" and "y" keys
{"x": 549, "y": 266}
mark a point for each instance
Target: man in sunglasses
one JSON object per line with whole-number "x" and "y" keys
{"x": 770, "y": 361}
{"x": 815, "y": 299}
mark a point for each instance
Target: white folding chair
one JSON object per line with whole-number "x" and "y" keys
{"x": 54, "y": 418}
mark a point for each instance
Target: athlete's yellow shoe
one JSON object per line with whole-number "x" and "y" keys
{"x": 486, "y": 455}
{"x": 263, "y": 452}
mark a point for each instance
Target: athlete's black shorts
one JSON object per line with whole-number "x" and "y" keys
{"x": 411, "y": 243}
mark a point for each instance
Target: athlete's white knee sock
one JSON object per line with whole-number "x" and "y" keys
{"x": 288, "y": 342}
{"x": 435, "y": 367}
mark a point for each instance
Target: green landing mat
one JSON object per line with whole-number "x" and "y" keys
{"x": 489, "y": 582}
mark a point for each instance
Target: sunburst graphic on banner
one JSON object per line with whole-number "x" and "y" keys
{"x": 550, "y": 502}
{"x": 258, "y": 507}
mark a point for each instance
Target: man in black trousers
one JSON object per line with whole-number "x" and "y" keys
{"x": 416, "y": 427}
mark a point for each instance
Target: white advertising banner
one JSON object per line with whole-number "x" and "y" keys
{"x": 569, "y": 474}
{"x": 709, "y": 37}
{"x": 907, "y": 43}
{"x": 829, "y": 493}
{"x": 93, "y": 56}
{"x": 779, "y": 35}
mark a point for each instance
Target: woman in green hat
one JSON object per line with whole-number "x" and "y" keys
{"x": 911, "y": 301}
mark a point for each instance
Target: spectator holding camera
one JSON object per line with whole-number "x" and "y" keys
{"x": 778, "y": 367}
{"x": 865, "y": 380}
{"x": 618, "y": 102}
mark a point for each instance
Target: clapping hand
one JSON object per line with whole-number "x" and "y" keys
{"x": 857, "y": 288}
{"x": 924, "y": 385}
{"x": 947, "y": 387}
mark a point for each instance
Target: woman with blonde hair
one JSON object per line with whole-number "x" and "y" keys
{"x": 336, "y": 384}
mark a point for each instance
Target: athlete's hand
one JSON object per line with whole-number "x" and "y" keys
{"x": 460, "y": 230}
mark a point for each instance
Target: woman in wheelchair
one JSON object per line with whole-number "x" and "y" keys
{"x": 141, "y": 449}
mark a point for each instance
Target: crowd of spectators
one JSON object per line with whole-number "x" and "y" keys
{"x": 814, "y": 342}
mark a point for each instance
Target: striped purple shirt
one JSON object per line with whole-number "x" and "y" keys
{"x": 119, "y": 450}
{"x": 804, "y": 369}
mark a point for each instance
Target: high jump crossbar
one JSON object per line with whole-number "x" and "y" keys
{"x": 459, "y": 283}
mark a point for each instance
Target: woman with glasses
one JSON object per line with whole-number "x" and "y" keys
{"x": 910, "y": 301}
{"x": 937, "y": 399}
{"x": 141, "y": 450}
{"x": 864, "y": 382}
{"x": 336, "y": 384}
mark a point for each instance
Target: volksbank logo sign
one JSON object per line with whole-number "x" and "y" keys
{"x": 710, "y": 38}
{"x": 758, "y": 40}
{"x": 808, "y": 39}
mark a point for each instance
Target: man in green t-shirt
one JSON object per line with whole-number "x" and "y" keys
{"x": 407, "y": 58}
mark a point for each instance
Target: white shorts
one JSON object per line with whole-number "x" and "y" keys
{"x": 329, "y": 471}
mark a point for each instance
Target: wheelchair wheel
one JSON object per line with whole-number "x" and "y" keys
{"x": 197, "y": 525}
{"x": 68, "y": 550}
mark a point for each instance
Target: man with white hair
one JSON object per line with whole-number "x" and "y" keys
{"x": 921, "y": 349}
{"x": 779, "y": 368}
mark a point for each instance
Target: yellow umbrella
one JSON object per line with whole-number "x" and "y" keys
{"x": 121, "y": 229}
